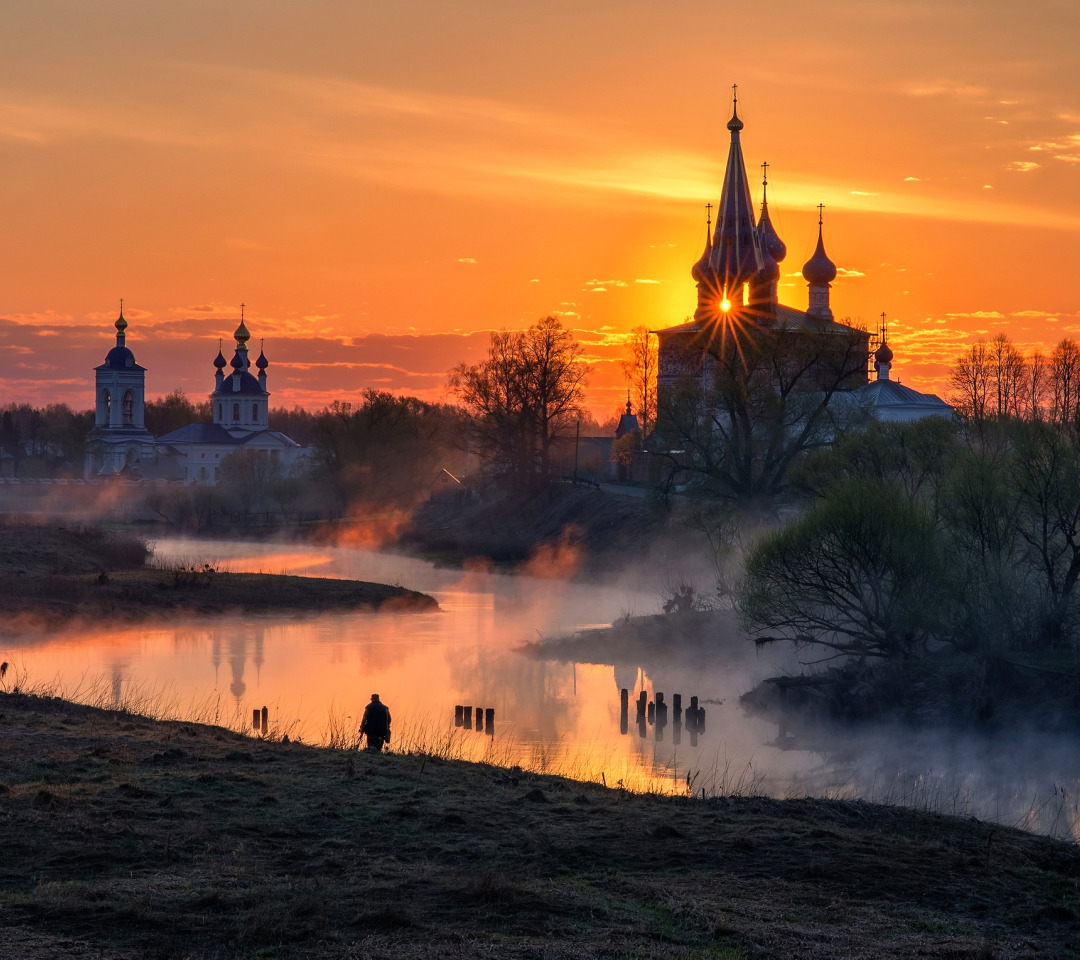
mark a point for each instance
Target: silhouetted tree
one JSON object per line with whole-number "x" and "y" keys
{"x": 771, "y": 400}
{"x": 174, "y": 411}
{"x": 523, "y": 397}
{"x": 387, "y": 449}
{"x": 640, "y": 369}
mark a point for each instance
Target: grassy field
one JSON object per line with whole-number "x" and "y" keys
{"x": 124, "y": 837}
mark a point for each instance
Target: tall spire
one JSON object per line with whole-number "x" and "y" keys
{"x": 735, "y": 255}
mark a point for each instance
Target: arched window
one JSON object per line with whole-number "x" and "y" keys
{"x": 255, "y": 413}
{"x": 236, "y": 412}
{"x": 129, "y": 409}
{"x": 106, "y": 405}
{"x": 219, "y": 412}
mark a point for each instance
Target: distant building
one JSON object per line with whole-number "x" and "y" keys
{"x": 119, "y": 441}
{"x": 737, "y": 277}
{"x": 889, "y": 400}
{"x": 120, "y": 444}
{"x": 448, "y": 489}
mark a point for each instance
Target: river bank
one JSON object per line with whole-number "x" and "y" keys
{"x": 59, "y": 575}
{"x": 126, "y": 837}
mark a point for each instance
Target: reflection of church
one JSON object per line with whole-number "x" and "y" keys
{"x": 120, "y": 444}
{"x": 737, "y": 278}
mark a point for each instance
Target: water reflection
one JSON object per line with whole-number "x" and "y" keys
{"x": 315, "y": 675}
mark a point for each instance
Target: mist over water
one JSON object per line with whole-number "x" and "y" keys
{"x": 316, "y": 674}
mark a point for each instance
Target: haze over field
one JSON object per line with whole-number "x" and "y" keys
{"x": 384, "y": 184}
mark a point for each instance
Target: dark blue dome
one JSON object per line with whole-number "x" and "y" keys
{"x": 248, "y": 386}
{"x": 219, "y": 361}
{"x": 120, "y": 358}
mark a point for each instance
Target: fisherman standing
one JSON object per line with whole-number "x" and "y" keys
{"x": 376, "y": 724}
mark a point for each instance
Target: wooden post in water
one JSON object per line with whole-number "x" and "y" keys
{"x": 265, "y": 721}
{"x": 701, "y": 719}
{"x": 652, "y": 711}
{"x": 466, "y": 717}
{"x": 624, "y": 710}
{"x": 489, "y": 721}
{"x": 256, "y": 721}
{"x": 479, "y": 718}
{"x": 642, "y": 700}
{"x": 459, "y": 715}
{"x": 676, "y": 706}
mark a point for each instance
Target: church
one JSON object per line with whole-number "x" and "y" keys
{"x": 120, "y": 444}
{"x": 739, "y": 313}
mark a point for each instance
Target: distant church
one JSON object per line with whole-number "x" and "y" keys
{"x": 120, "y": 444}
{"x": 737, "y": 278}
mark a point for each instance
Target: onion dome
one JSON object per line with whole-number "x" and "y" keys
{"x": 770, "y": 269}
{"x": 219, "y": 360}
{"x": 700, "y": 270}
{"x": 735, "y": 124}
{"x": 262, "y": 363}
{"x": 120, "y": 357}
{"x": 770, "y": 239}
{"x": 883, "y": 354}
{"x": 237, "y": 362}
{"x": 819, "y": 269}
{"x": 242, "y": 336}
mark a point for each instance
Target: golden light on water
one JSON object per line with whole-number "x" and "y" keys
{"x": 725, "y": 304}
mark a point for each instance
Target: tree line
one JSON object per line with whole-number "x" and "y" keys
{"x": 994, "y": 379}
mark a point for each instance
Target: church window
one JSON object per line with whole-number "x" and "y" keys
{"x": 219, "y": 411}
{"x": 129, "y": 409}
{"x": 236, "y": 412}
{"x": 106, "y": 402}
{"x": 255, "y": 412}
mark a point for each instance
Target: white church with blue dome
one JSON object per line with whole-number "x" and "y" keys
{"x": 121, "y": 446}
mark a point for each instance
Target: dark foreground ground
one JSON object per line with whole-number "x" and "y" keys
{"x": 122, "y": 837}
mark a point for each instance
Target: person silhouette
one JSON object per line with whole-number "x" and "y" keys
{"x": 376, "y": 724}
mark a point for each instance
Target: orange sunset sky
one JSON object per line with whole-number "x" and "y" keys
{"x": 384, "y": 183}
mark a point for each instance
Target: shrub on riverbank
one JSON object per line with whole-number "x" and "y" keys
{"x": 925, "y": 542}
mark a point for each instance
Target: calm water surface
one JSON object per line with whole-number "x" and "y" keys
{"x": 316, "y": 674}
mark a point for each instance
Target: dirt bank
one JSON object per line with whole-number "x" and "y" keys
{"x": 57, "y": 575}
{"x": 124, "y": 838}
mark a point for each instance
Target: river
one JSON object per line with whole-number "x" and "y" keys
{"x": 315, "y": 674}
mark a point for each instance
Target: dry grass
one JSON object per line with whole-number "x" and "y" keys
{"x": 127, "y": 837}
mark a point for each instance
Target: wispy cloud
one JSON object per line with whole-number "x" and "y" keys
{"x": 1023, "y": 166}
{"x": 980, "y": 315}
{"x": 956, "y": 89}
